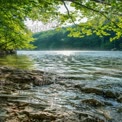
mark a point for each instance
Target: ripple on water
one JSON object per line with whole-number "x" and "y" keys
{"x": 88, "y": 69}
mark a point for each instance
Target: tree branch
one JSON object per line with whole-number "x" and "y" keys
{"x": 68, "y": 12}
{"x": 94, "y": 10}
{"x": 98, "y": 1}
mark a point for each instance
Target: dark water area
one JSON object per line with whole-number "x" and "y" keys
{"x": 87, "y": 81}
{"x": 16, "y": 61}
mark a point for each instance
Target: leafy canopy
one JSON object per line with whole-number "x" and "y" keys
{"x": 103, "y": 16}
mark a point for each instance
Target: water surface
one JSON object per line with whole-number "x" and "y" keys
{"x": 88, "y": 69}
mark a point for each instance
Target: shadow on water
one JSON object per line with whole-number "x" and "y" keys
{"x": 17, "y": 61}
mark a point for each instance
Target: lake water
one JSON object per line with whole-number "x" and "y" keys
{"x": 65, "y": 61}
{"x": 89, "y": 69}
{"x": 72, "y": 63}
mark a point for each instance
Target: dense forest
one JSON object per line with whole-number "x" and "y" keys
{"x": 60, "y": 40}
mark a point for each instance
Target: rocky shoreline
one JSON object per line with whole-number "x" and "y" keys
{"x": 11, "y": 81}
{"x": 17, "y": 107}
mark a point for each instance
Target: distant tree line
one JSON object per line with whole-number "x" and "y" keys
{"x": 60, "y": 40}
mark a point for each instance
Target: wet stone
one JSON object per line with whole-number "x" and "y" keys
{"x": 42, "y": 115}
{"x": 37, "y": 80}
{"x": 110, "y": 94}
{"x": 23, "y": 102}
{"x": 79, "y": 86}
{"x": 26, "y": 86}
{"x": 3, "y": 114}
{"x": 22, "y": 79}
{"x": 90, "y": 117}
{"x": 93, "y": 102}
{"x": 105, "y": 113}
{"x": 92, "y": 90}
{"x": 119, "y": 99}
{"x": 119, "y": 110}
{"x": 22, "y": 117}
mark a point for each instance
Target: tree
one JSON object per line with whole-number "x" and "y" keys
{"x": 13, "y": 32}
{"x": 59, "y": 40}
{"x": 103, "y": 16}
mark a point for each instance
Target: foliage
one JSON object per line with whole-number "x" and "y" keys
{"x": 103, "y": 17}
{"x": 59, "y": 40}
{"x": 13, "y": 33}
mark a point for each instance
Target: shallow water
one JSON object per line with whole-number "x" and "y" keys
{"x": 89, "y": 69}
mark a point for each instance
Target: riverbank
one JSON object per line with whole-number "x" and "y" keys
{"x": 19, "y": 104}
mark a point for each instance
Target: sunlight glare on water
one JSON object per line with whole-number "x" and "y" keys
{"x": 66, "y": 52}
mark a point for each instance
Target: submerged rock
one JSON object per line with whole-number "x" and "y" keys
{"x": 92, "y": 90}
{"x": 26, "y": 86}
{"x": 119, "y": 110}
{"x": 107, "y": 93}
{"x": 119, "y": 99}
{"x": 105, "y": 113}
{"x": 42, "y": 116}
{"x": 93, "y": 102}
{"x": 23, "y": 79}
{"x": 24, "y": 101}
{"x": 110, "y": 94}
{"x": 90, "y": 117}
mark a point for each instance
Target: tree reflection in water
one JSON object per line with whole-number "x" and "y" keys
{"x": 17, "y": 61}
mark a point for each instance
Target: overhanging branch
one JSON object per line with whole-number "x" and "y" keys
{"x": 68, "y": 12}
{"x": 94, "y": 10}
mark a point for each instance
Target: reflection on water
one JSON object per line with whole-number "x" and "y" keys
{"x": 67, "y": 61}
{"x": 18, "y": 61}
{"x": 73, "y": 62}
